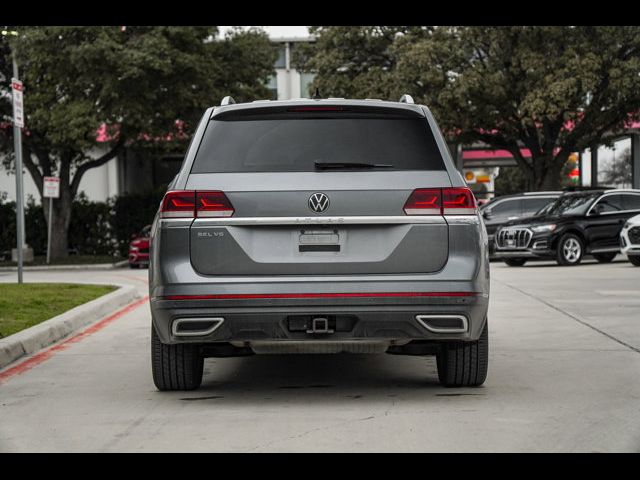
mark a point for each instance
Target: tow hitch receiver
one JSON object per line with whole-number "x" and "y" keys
{"x": 319, "y": 325}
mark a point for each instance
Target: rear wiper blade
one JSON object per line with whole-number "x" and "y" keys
{"x": 328, "y": 165}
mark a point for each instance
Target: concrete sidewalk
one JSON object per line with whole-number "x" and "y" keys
{"x": 32, "y": 339}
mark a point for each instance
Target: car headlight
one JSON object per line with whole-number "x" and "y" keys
{"x": 544, "y": 228}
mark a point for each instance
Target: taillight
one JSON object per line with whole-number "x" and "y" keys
{"x": 178, "y": 204}
{"x": 213, "y": 204}
{"x": 458, "y": 201}
{"x": 424, "y": 201}
{"x": 191, "y": 204}
{"x": 441, "y": 201}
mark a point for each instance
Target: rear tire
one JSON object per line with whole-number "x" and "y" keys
{"x": 175, "y": 367}
{"x": 464, "y": 364}
{"x": 605, "y": 257}
{"x": 515, "y": 262}
{"x": 570, "y": 250}
{"x": 634, "y": 259}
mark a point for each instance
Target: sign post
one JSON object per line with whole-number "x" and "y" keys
{"x": 50, "y": 190}
{"x": 18, "y": 124}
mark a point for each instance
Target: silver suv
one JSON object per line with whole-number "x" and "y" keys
{"x": 318, "y": 226}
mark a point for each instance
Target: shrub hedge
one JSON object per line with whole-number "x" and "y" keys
{"x": 97, "y": 228}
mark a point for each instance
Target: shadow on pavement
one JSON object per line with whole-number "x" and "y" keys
{"x": 320, "y": 378}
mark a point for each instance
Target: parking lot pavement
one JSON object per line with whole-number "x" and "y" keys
{"x": 563, "y": 376}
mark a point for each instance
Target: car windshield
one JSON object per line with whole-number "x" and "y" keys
{"x": 546, "y": 209}
{"x": 571, "y": 204}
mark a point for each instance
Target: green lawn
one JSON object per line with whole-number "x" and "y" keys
{"x": 22, "y": 306}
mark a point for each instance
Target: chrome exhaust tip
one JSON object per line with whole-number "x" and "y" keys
{"x": 195, "y": 327}
{"x": 444, "y": 323}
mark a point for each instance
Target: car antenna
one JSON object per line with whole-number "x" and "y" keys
{"x": 316, "y": 96}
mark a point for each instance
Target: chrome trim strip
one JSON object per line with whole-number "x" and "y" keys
{"x": 196, "y": 333}
{"x": 374, "y": 219}
{"x": 612, "y": 213}
{"x": 462, "y": 219}
{"x": 465, "y": 323}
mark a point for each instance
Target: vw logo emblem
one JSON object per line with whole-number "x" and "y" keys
{"x": 318, "y": 202}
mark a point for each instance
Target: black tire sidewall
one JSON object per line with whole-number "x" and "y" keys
{"x": 634, "y": 259}
{"x": 515, "y": 262}
{"x": 604, "y": 257}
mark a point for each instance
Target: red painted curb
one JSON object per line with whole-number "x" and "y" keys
{"x": 45, "y": 354}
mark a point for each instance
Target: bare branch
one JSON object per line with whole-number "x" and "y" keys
{"x": 82, "y": 169}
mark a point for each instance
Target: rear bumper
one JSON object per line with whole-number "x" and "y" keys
{"x": 138, "y": 258}
{"x": 367, "y": 318}
{"x": 378, "y": 306}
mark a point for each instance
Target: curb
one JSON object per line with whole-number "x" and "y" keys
{"x": 39, "y": 336}
{"x": 84, "y": 266}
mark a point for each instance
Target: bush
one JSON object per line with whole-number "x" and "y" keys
{"x": 96, "y": 228}
{"x": 131, "y": 213}
{"x": 90, "y": 228}
{"x": 7, "y": 228}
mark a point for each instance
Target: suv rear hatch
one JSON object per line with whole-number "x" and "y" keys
{"x": 364, "y": 163}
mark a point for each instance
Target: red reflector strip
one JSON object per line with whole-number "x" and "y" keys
{"x": 242, "y": 296}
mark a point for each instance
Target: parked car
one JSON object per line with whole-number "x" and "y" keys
{"x": 318, "y": 226}
{"x": 505, "y": 208}
{"x": 578, "y": 223}
{"x": 630, "y": 240}
{"x": 139, "y": 248}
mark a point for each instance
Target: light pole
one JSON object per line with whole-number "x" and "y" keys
{"x": 17, "y": 143}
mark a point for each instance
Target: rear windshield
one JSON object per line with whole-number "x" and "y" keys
{"x": 294, "y": 145}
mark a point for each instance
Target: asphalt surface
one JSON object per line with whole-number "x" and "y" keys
{"x": 564, "y": 375}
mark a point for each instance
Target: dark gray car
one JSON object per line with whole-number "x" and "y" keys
{"x": 318, "y": 226}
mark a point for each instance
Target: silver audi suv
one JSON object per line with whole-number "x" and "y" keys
{"x": 318, "y": 226}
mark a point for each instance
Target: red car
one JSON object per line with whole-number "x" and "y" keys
{"x": 139, "y": 248}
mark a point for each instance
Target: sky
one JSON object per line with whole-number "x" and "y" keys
{"x": 279, "y": 31}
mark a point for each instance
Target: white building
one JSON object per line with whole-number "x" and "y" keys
{"x": 288, "y": 83}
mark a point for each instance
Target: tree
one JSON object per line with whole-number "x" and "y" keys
{"x": 141, "y": 83}
{"x": 552, "y": 90}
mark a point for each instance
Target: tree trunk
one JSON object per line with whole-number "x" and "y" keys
{"x": 61, "y": 220}
{"x": 546, "y": 172}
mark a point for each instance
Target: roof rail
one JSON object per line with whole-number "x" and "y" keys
{"x": 406, "y": 98}
{"x": 228, "y": 100}
{"x": 586, "y": 188}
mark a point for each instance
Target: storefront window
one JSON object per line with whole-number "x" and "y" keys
{"x": 305, "y": 84}
{"x": 614, "y": 165}
{"x": 272, "y": 85}
{"x": 281, "y": 62}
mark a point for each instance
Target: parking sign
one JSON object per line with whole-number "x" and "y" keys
{"x": 18, "y": 106}
{"x": 51, "y": 187}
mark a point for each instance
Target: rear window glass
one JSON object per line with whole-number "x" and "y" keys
{"x": 294, "y": 145}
